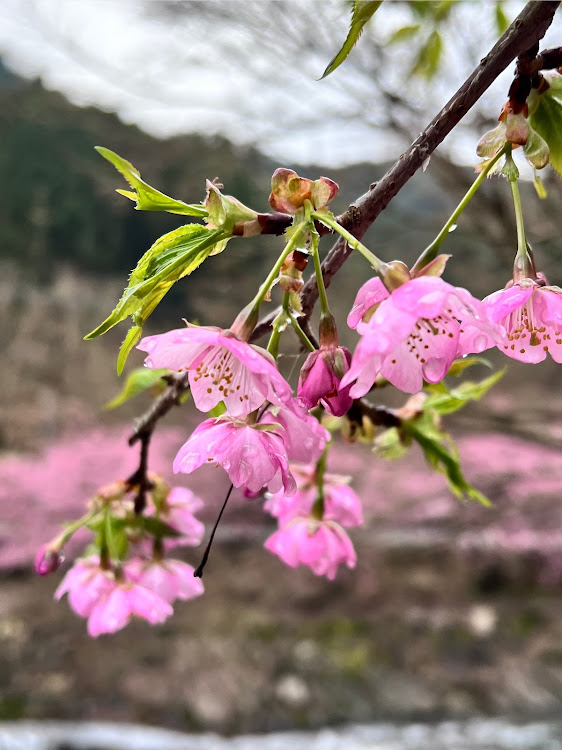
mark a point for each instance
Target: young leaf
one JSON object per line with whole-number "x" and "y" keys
{"x": 502, "y": 21}
{"x": 453, "y": 400}
{"x": 159, "y": 529}
{"x": 172, "y": 257}
{"x": 403, "y": 34}
{"x": 429, "y": 57}
{"x": 148, "y": 198}
{"x": 547, "y": 120}
{"x": 138, "y": 381}
{"x": 442, "y": 455}
{"x": 461, "y": 364}
{"x": 363, "y": 11}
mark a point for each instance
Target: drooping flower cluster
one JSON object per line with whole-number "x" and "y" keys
{"x": 110, "y": 590}
{"x": 311, "y": 522}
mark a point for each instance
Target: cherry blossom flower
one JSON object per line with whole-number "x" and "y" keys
{"x": 169, "y": 579}
{"x": 320, "y": 380}
{"x": 109, "y": 603}
{"x": 531, "y": 315}
{"x": 85, "y": 583}
{"x": 341, "y": 503}
{"x": 254, "y": 456}
{"x": 177, "y": 511}
{"x": 221, "y": 368}
{"x": 415, "y": 333}
{"x": 303, "y": 436}
{"x": 321, "y": 545}
{"x": 114, "y": 609}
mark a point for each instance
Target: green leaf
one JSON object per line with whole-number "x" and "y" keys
{"x": 547, "y": 121}
{"x": 157, "y": 528}
{"x": 363, "y": 11}
{"x": 403, "y": 34}
{"x": 390, "y": 444}
{"x": 131, "y": 340}
{"x": 461, "y": 364}
{"x": 138, "y": 381}
{"x": 172, "y": 257}
{"x": 146, "y": 197}
{"x": 429, "y": 57}
{"x": 539, "y": 186}
{"x": 502, "y": 21}
{"x": 441, "y": 453}
{"x": 450, "y": 401}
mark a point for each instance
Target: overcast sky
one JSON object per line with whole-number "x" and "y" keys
{"x": 189, "y": 76}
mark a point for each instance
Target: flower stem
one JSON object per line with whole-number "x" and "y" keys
{"x": 523, "y": 266}
{"x": 266, "y": 286}
{"x": 71, "y": 529}
{"x": 431, "y": 250}
{"x": 314, "y": 242}
{"x": 352, "y": 241}
{"x": 301, "y": 334}
{"x": 279, "y": 325}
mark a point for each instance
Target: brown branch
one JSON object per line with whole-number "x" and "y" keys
{"x": 145, "y": 424}
{"x": 529, "y": 26}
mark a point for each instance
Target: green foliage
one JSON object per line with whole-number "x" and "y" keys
{"x": 547, "y": 121}
{"x": 502, "y": 21}
{"x": 363, "y": 11}
{"x": 139, "y": 380}
{"x": 172, "y": 257}
{"x": 157, "y": 528}
{"x": 425, "y": 428}
{"x": 148, "y": 198}
{"x": 404, "y": 34}
{"x": 429, "y": 57}
{"x": 445, "y": 401}
{"x": 441, "y": 453}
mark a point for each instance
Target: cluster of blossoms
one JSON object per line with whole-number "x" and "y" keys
{"x": 412, "y": 326}
{"x": 107, "y": 590}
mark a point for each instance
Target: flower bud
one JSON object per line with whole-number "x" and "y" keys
{"x": 289, "y": 191}
{"x": 47, "y": 560}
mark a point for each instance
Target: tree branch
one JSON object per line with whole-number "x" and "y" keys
{"x": 525, "y": 31}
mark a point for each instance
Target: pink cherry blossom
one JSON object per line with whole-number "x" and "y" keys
{"x": 85, "y": 583}
{"x": 114, "y": 609}
{"x": 320, "y": 380}
{"x": 169, "y": 579}
{"x": 303, "y": 436}
{"x": 177, "y": 511}
{"x": 252, "y": 456}
{"x": 322, "y": 545}
{"x": 108, "y": 603}
{"x": 531, "y": 315}
{"x": 221, "y": 368}
{"x": 370, "y": 294}
{"x": 341, "y": 503}
{"x": 416, "y": 333}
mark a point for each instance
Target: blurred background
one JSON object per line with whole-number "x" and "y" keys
{"x": 454, "y": 610}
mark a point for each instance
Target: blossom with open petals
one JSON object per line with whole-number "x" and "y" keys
{"x": 340, "y": 502}
{"x": 109, "y": 603}
{"x": 177, "y": 511}
{"x": 415, "y": 333}
{"x": 531, "y": 315}
{"x": 321, "y": 545}
{"x": 221, "y": 368}
{"x": 254, "y": 456}
{"x": 169, "y": 579}
{"x": 303, "y": 436}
